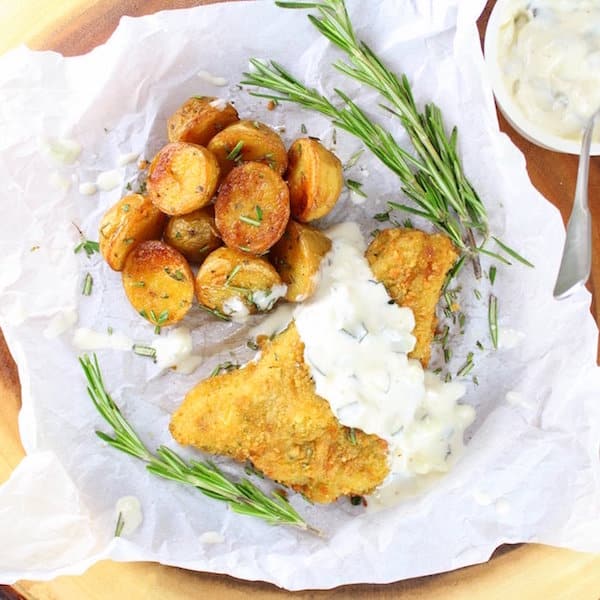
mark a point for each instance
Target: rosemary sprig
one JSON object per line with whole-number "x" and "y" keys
{"x": 243, "y": 497}
{"x": 426, "y": 130}
{"x": 417, "y": 186}
{"x": 434, "y": 179}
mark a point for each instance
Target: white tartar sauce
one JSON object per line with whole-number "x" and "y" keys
{"x": 88, "y": 188}
{"x": 60, "y": 323}
{"x": 212, "y": 78}
{"x": 356, "y": 345}
{"x": 219, "y": 103}
{"x": 85, "y": 338}
{"x": 129, "y": 511}
{"x": 236, "y": 310}
{"x": 60, "y": 182}
{"x": 275, "y": 322}
{"x": 125, "y": 159}
{"x": 549, "y": 52}
{"x": 63, "y": 151}
{"x": 265, "y": 299}
{"x": 108, "y": 180}
{"x": 174, "y": 349}
{"x": 211, "y": 537}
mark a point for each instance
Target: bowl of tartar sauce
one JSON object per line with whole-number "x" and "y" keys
{"x": 544, "y": 60}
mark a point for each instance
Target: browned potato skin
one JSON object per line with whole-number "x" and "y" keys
{"x": 315, "y": 179}
{"x": 261, "y": 144}
{"x": 132, "y": 220}
{"x": 254, "y": 274}
{"x": 182, "y": 178}
{"x": 195, "y": 235}
{"x": 297, "y": 257}
{"x": 248, "y": 186}
{"x": 196, "y": 121}
{"x": 156, "y": 279}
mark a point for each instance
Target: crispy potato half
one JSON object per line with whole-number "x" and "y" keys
{"x": 233, "y": 284}
{"x": 199, "y": 119}
{"x": 132, "y": 220}
{"x": 195, "y": 235}
{"x": 315, "y": 179}
{"x": 158, "y": 282}
{"x": 252, "y": 208}
{"x": 249, "y": 141}
{"x": 297, "y": 257}
{"x": 182, "y": 177}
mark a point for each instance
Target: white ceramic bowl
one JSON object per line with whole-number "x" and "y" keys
{"x": 509, "y": 108}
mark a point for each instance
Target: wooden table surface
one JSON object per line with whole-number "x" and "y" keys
{"x": 527, "y": 571}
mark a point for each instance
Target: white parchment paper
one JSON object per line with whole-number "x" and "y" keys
{"x": 530, "y": 471}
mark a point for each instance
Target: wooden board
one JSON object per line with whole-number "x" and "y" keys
{"x": 527, "y": 571}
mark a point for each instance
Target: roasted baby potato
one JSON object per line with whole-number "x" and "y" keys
{"x": 195, "y": 235}
{"x": 315, "y": 179}
{"x": 200, "y": 118}
{"x": 252, "y": 208}
{"x": 182, "y": 177}
{"x": 158, "y": 282}
{"x": 234, "y": 284}
{"x": 249, "y": 141}
{"x": 297, "y": 257}
{"x": 132, "y": 220}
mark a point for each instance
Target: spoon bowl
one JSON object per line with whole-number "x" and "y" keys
{"x": 576, "y": 262}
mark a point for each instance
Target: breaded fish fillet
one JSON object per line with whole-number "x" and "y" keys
{"x": 412, "y": 265}
{"x": 269, "y": 413}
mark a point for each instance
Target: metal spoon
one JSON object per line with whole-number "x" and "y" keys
{"x": 576, "y": 262}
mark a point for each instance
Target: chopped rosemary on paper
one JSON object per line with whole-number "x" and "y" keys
{"x": 88, "y": 246}
{"x": 88, "y": 283}
{"x": 119, "y": 525}
{"x": 142, "y": 350}
{"x": 243, "y": 497}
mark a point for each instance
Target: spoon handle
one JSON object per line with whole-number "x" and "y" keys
{"x": 576, "y": 262}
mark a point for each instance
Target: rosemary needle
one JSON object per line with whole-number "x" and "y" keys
{"x": 493, "y": 319}
{"x": 243, "y": 497}
{"x": 88, "y": 283}
{"x": 88, "y": 246}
